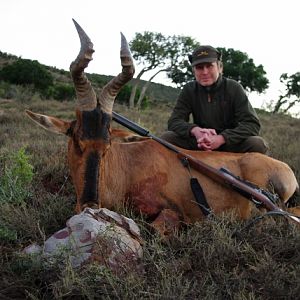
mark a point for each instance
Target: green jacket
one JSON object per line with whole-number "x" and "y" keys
{"x": 225, "y": 108}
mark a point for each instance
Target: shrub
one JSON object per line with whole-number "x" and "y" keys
{"x": 5, "y": 90}
{"x": 26, "y": 72}
{"x": 99, "y": 80}
{"x": 7, "y": 234}
{"x": 7, "y": 55}
{"x": 16, "y": 178}
{"x": 61, "y": 92}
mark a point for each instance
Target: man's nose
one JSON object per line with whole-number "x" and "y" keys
{"x": 205, "y": 69}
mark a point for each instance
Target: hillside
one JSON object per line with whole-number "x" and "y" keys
{"x": 156, "y": 92}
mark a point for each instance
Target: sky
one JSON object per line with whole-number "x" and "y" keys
{"x": 268, "y": 31}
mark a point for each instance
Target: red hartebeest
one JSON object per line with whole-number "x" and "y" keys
{"x": 109, "y": 169}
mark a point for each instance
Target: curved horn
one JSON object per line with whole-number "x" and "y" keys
{"x": 111, "y": 89}
{"x": 85, "y": 93}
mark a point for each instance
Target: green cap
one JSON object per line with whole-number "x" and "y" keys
{"x": 204, "y": 54}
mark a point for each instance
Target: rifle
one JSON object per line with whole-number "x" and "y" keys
{"x": 257, "y": 195}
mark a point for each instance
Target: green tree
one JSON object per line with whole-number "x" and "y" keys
{"x": 124, "y": 96}
{"x": 292, "y": 93}
{"x": 148, "y": 50}
{"x": 155, "y": 51}
{"x": 179, "y": 47}
{"x": 238, "y": 66}
{"x": 26, "y": 72}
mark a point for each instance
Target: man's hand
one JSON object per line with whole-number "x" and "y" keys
{"x": 198, "y": 132}
{"x": 207, "y": 138}
{"x": 211, "y": 143}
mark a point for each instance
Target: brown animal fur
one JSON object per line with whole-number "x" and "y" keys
{"x": 111, "y": 168}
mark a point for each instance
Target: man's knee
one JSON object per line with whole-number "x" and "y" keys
{"x": 251, "y": 144}
{"x": 168, "y": 136}
{"x": 175, "y": 139}
{"x": 256, "y": 144}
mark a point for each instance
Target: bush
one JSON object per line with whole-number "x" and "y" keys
{"x": 16, "y": 178}
{"x": 7, "y": 55}
{"x": 7, "y": 234}
{"x": 4, "y": 87}
{"x": 99, "y": 80}
{"x": 61, "y": 92}
{"x": 27, "y": 72}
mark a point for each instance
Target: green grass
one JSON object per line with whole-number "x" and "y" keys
{"x": 203, "y": 261}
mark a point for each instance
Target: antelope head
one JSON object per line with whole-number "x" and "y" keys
{"x": 89, "y": 134}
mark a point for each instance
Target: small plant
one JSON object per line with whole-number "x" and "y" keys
{"x": 16, "y": 178}
{"x": 7, "y": 234}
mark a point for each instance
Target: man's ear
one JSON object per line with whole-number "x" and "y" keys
{"x": 50, "y": 123}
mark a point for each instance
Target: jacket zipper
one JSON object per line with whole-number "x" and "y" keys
{"x": 209, "y": 97}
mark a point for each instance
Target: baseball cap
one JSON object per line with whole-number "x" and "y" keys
{"x": 204, "y": 54}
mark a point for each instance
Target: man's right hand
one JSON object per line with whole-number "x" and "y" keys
{"x": 203, "y": 137}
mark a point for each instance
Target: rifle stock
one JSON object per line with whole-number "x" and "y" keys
{"x": 248, "y": 190}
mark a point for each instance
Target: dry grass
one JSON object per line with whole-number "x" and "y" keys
{"x": 204, "y": 261}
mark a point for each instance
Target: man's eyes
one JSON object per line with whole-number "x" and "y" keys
{"x": 206, "y": 66}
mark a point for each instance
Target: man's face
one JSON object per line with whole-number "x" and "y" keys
{"x": 207, "y": 73}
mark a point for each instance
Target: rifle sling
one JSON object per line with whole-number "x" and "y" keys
{"x": 197, "y": 191}
{"x": 200, "y": 196}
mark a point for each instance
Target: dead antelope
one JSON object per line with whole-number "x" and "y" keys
{"x": 108, "y": 172}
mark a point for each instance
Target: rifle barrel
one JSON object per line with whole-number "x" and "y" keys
{"x": 129, "y": 124}
{"x": 141, "y": 131}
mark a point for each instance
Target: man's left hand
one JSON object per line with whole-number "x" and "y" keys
{"x": 209, "y": 143}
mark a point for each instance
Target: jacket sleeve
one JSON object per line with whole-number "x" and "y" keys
{"x": 179, "y": 120}
{"x": 246, "y": 122}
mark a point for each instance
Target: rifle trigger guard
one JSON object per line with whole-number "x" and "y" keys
{"x": 186, "y": 164}
{"x": 258, "y": 204}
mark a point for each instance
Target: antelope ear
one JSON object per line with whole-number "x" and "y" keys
{"x": 50, "y": 123}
